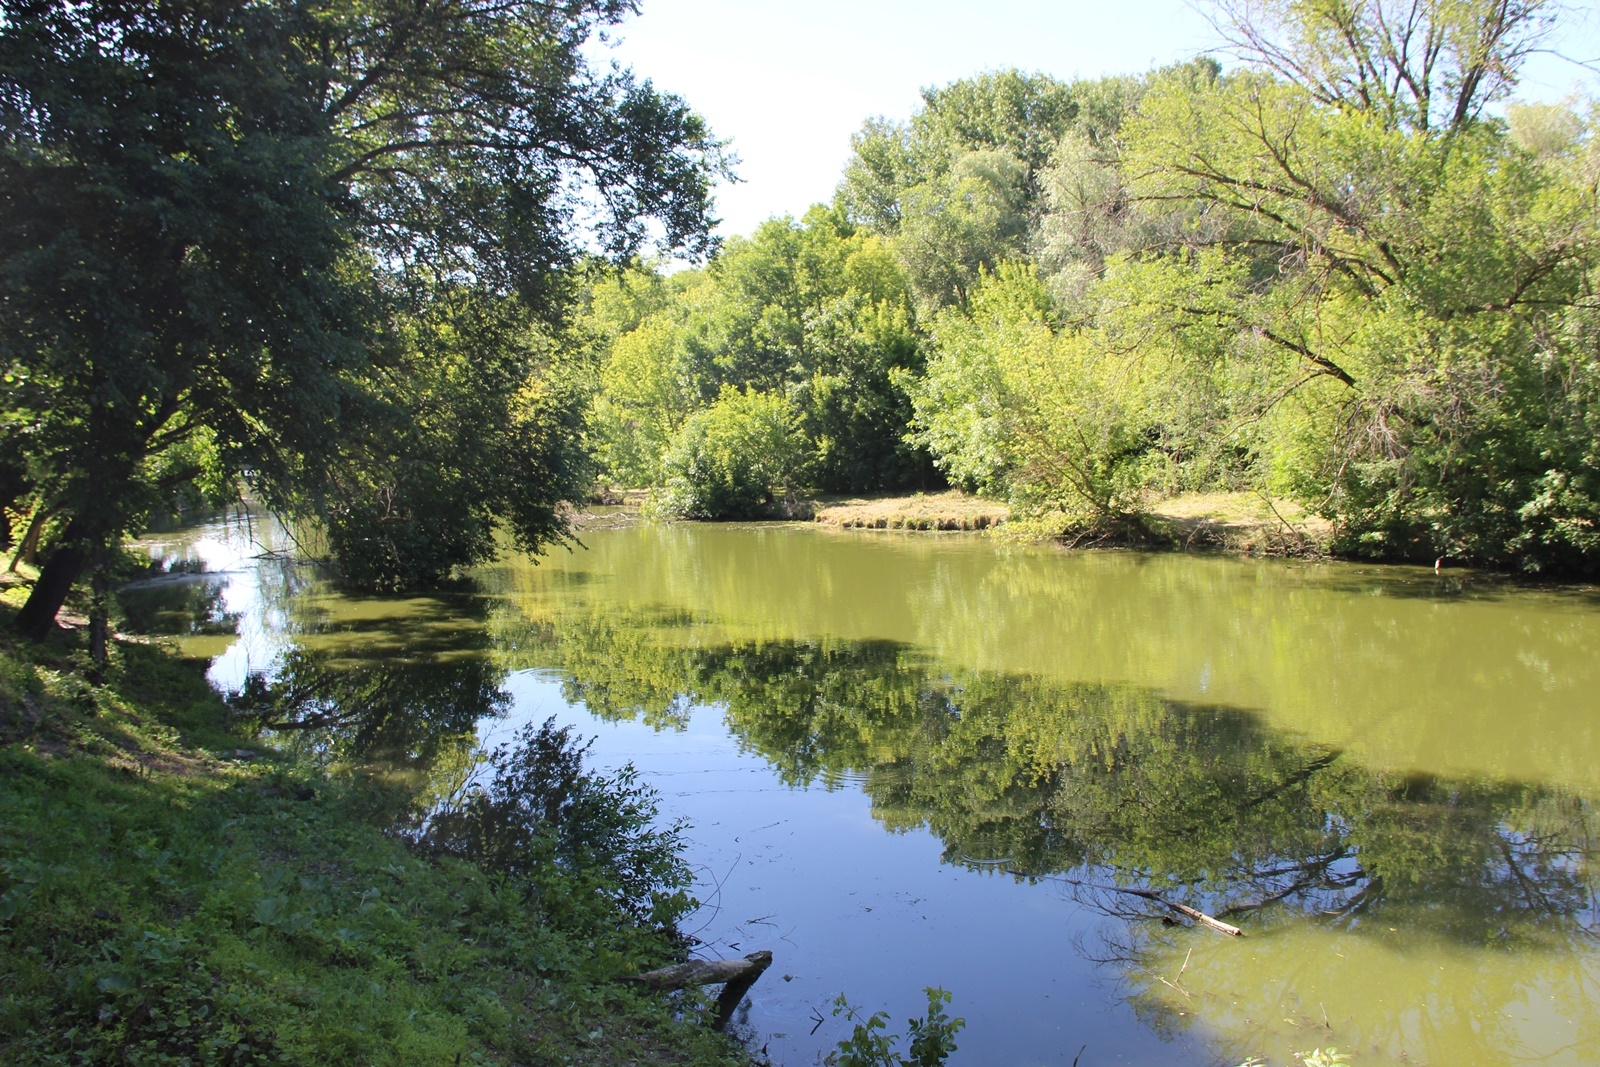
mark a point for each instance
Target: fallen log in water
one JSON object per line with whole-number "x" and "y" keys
{"x": 736, "y": 977}
{"x": 704, "y": 972}
{"x": 1148, "y": 894}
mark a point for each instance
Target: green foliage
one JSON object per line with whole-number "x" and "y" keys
{"x": 736, "y": 459}
{"x": 962, "y": 223}
{"x": 1002, "y": 114}
{"x": 473, "y": 424}
{"x": 931, "y": 1037}
{"x": 646, "y": 393}
{"x": 1053, "y": 420}
{"x": 164, "y": 903}
{"x": 266, "y": 205}
{"x": 1370, "y": 298}
{"x": 816, "y": 312}
{"x": 1416, "y": 368}
{"x": 961, "y": 187}
{"x": 1330, "y": 274}
{"x": 549, "y": 824}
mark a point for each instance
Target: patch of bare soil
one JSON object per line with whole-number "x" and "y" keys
{"x": 950, "y": 511}
{"x": 1240, "y": 522}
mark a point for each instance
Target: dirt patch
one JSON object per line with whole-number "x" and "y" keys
{"x": 952, "y": 510}
{"x": 1240, "y": 522}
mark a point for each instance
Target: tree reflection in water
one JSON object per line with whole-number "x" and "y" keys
{"x": 394, "y": 690}
{"x": 405, "y": 716}
{"x": 1091, "y": 787}
{"x": 177, "y": 598}
{"x": 1115, "y": 787}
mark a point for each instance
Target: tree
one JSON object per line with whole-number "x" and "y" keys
{"x": 737, "y": 459}
{"x": 474, "y": 423}
{"x": 1008, "y": 112}
{"x": 817, "y": 312}
{"x": 961, "y": 224}
{"x": 963, "y": 184}
{"x": 218, "y": 218}
{"x": 1405, "y": 288}
{"x": 1001, "y": 111}
{"x": 1419, "y": 65}
{"x": 1057, "y": 419}
{"x": 646, "y": 393}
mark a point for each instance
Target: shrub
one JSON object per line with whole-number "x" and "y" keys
{"x": 931, "y": 1038}
{"x": 541, "y": 814}
{"x": 735, "y": 460}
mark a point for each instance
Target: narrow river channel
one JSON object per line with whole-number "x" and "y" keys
{"x": 941, "y": 760}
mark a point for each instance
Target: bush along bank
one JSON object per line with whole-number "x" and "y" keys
{"x": 173, "y": 893}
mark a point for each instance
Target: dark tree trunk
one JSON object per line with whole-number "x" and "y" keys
{"x": 38, "y": 616}
{"x": 99, "y": 614}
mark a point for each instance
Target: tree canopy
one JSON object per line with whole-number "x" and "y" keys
{"x": 1350, "y": 271}
{"x": 234, "y": 234}
{"x": 354, "y": 257}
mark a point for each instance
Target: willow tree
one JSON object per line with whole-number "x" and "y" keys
{"x": 221, "y": 223}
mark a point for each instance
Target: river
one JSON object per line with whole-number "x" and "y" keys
{"x": 941, "y": 760}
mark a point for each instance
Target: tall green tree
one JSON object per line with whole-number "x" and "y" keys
{"x": 963, "y": 184}
{"x": 217, "y": 219}
{"x": 1009, "y": 112}
{"x": 816, "y": 313}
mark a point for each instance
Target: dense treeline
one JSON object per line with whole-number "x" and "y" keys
{"x": 1331, "y": 274}
{"x": 339, "y": 256}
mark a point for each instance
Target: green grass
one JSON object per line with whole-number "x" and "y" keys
{"x": 163, "y": 902}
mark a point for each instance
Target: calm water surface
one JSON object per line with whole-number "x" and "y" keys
{"x": 935, "y": 760}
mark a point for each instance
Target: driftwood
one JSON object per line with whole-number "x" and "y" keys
{"x": 1183, "y": 909}
{"x": 1150, "y": 895}
{"x": 704, "y": 972}
{"x": 735, "y": 976}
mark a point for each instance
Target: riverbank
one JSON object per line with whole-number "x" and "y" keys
{"x": 1246, "y": 523}
{"x": 1236, "y": 522}
{"x": 174, "y": 891}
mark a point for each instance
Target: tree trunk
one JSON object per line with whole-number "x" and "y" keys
{"x": 28, "y": 550}
{"x": 704, "y": 972}
{"x": 739, "y": 975}
{"x": 38, "y": 616}
{"x": 99, "y": 613}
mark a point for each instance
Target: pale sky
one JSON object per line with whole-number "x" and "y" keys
{"x": 789, "y": 82}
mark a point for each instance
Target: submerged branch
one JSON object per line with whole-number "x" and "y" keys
{"x": 1146, "y": 894}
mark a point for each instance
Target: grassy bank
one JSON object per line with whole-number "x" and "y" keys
{"x": 172, "y": 892}
{"x": 1236, "y": 522}
{"x": 950, "y": 510}
{"x": 1244, "y": 523}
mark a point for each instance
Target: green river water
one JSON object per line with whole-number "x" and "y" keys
{"x": 918, "y": 760}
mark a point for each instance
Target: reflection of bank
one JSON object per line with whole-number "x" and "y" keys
{"x": 221, "y": 590}
{"x": 1429, "y": 882}
{"x": 1443, "y": 915}
{"x": 396, "y": 685}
